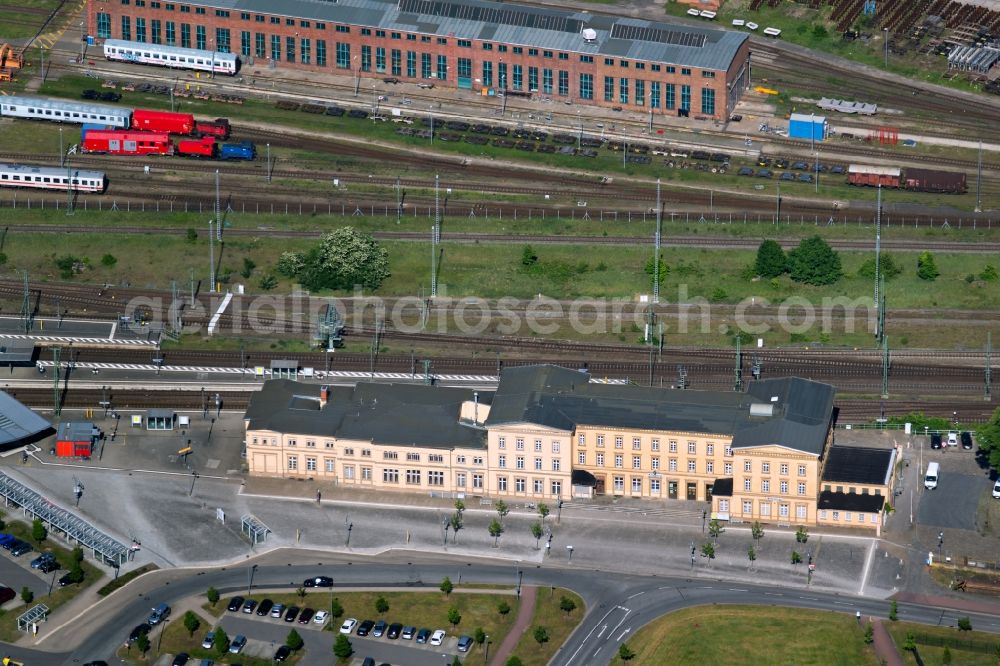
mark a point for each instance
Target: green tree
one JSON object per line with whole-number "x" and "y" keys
{"x": 543, "y": 511}
{"x": 343, "y": 259}
{"x": 381, "y": 605}
{"x": 142, "y": 643}
{"x": 893, "y": 610}
{"x": 456, "y": 524}
{"x": 756, "y": 531}
{"x": 213, "y": 595}
{"x": 503, "y": 608}
{"x": 108, "y": 260}
{"x": 541, "y": 634}
{"x": 336, "y": 609}
{"x": 910, "y": 643}
{"x": 192, "y": 235}
{"x": 289, "y": 264}
{"x": 964, "y": 624}
{"x": 650, "y": 267}
{"x": 479, "y": 636}
{"x": 300, "y": 592}
{"x": 38, "y": 531}
{"x": 708, "y": 551}
{"x": 625, "y": 653}
{"x": 268, "y": 282}
{"x": 814, "y": 262}
{"x": 221, "y": 642}
{"x": 946, "y": 655}
{"x": 446, "y": 585}
{"x": 926, "y": 268}
{"x": 502, "y": 509}
{"x": 801, "y": 534}
{"x": 751, "y": 555}
{"x": 76, "y": 573}
{"x": 514, "y": 661}
{"x": 528, "y": 256}
{"x": 77, "y": 554}
{"x": 869, "y": 634}
{"x": 454, "y": 616}
{"x": 715, "y": 528}
{"x": 27, "y": 596}
{"x": 191, "y": 622}
{"x": 771, "y": 260}
{"x": 248, "y": 266}
{"x": 342, "y": 647}
{"x": 459, "y": 506}
{"x": 796, "y": 557}
{"x": 567, "y": 605}
{"x": 496, "y": 529}
{"x": 988, "y": 436}
{"x": 989, "y": 274}
{"x": 536, "y": 531}
{"x": 294, "y": 641}
{"x": 888, "y": 267}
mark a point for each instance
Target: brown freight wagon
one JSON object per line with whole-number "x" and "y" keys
{"x": 873, "y": 176}
{"x": 930, "y": 180}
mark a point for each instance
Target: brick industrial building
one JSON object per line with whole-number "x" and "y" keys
{"x": 481, "y": 47}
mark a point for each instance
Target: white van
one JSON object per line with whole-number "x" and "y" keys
{"x": 931, "y": 479}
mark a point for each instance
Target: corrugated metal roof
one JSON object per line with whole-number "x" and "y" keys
{"x": 876, "y": 170}
{"x": 18, "y": 422}
{"x": 517, "y": 24}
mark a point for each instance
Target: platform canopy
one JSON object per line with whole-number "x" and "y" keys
{"x": 17, "y": 422}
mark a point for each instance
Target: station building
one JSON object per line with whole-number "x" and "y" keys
{"x": 481, "y": 47}
{"x": 549, "y": 433}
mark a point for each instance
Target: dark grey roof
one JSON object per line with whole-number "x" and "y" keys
{"x": 160, "y": 413}
{"x": 17, "y": 422}
{"x": 855, "y": 464}
{"x": 75, "y": 431}
{"x": 393, "y": 414}
{"x": 558, "y": 29}
{"x": 799, "y": 417}
{"x": 13, "y": 350}
{"x": 850, "y": 502}
{"x": 722, "y": 488}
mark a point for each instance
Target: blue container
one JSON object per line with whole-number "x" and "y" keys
{"x": 810, "y": 128}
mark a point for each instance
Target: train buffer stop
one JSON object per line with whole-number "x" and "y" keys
{"x": 76, "y": 439}
{"x": 160, "y": 419}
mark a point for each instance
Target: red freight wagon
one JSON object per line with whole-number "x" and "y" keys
{"x": 219, "y": 128}
{"x": 162, "y": 121}
{"x": 873, "y": 176}
{"x": 204, "y": 147}
{"x": 123, "y": 142}
{"x": 930, "y": 180}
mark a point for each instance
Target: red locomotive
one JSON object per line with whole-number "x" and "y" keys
{"x": 125, "y": 142}
{"x": 204, "y": 147}
{"x": 219, "y": 128}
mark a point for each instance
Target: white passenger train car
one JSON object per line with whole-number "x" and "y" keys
{"x": 171, "y": 56}
{"x": 52, "y": 178}
{"x": 64, "y": 111}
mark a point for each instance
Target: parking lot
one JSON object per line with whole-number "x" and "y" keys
{"x": 961, "y": 486}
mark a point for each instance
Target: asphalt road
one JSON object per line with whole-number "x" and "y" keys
{"x": 619, "y": 604}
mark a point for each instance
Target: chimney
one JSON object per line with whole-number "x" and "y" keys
{"x": 324, "y": 395}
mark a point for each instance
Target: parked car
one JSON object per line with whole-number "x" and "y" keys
{"x": 306, "y": 615}
{"x": 996, "y": 490}
{"x": 42, "y": 559}
{"x": 282, "y": 653}
{"x": 320, "y": 617}
{"x": 394, "y": 630}
{"x": 139, "y": 630}
{"x": 209, "y": 640}
{"x": 19, "y": 548}
{"x": 423, "y": 635}
{"x": 348, "y": 625}
{"x": 69, "y": 579}
{"x": 408, "y": 633}
{"x": 180, "y": 659}
{"x": 235, "y": 604}
{"x": 6, "y": 540}
{"x": 249, "y": 605}
{"x": 318, "y": 581}
{"x": 239, "y": 642}
{"x": 952, "y": 439}
{"x": 49, "y": 566}
{"x": 966, "y": 441}
{"x": 291, "y": 613}
{"x": 935, "y": 441}
{"x": 379, "y": 629}
{"x": 368, "y": 662}
{"x": 464, "y": 643}
{"x": 6, "y": 594}
{"x": 278, "y": 610}
{"x": 438, "y": 637}
{"x": 160, "y": 613}
{"x": 365, "y": 628}
{"x": 265, "y": 607}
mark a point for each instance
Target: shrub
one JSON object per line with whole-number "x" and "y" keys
{"x": 926, "y": 268}
{"x": 109, "y": 260}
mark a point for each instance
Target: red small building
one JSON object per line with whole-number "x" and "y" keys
{"x": 75, "y": 439}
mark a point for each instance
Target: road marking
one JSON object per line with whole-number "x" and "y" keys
{"x": 601, "y": 632}
{"x": 842, "y": 603}
{"x": 736, "y": 589}
{"x": 868, "y": 568}
{"x": 773, "y": 594}
{"x": 809, "y": 598}
{"x": 623, "y": 634}
{"x": 637, "y": 594}
{"x": 622, "y": 621}
{"x": 572, "y": 658}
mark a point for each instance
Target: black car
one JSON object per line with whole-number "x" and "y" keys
{"x": 42, "y": 559}
{"x": 365, "y": 628}
{"x": 265, "y": 607}
{"x": 935, "y": 441}
{"x": 110, "y": 96}
{"x": 306, "y": 615}
{"x": 48, "y": 566}
{"x": 335, "y": 111}
{"x": 180, "y": 659}
{"x": 235, "y": 604}
{"x": 67, "y": 579}
{"x": 249, "y": 605}
{"x": 291, "y": 613}
{"x": 966, "y": 440}
{"x": 282, "y": 653}
{"x": 19, "y": 548}
{"x": 139, "y": 630}
{"x": 394, "y": 630}
{"x": 96, "y": 663}
{"x": 357, "y": 113}
{"x": 318, "y": 581}
{"x": 90, "y": 94}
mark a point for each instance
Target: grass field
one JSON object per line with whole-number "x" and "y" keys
{"x": 557, "y": 624}
{"x": 751, "y": 635}
{"x": 931, "y": 640}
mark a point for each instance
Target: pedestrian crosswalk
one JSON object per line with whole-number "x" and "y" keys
{"x": 71, "y": 339}
{"x": 649, "y": 510}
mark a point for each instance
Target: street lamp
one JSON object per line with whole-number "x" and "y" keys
{"x": 194, "y": 477}
{"x": 350, "y": 526}
{"x": 447, "y": 524}
{"x": 357, "y": 77}
{"x": 486, "y": 655}
{"x": 569, "y": 549}
{"x": 886, "y": 30}
{"x": 520, "y": 577}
